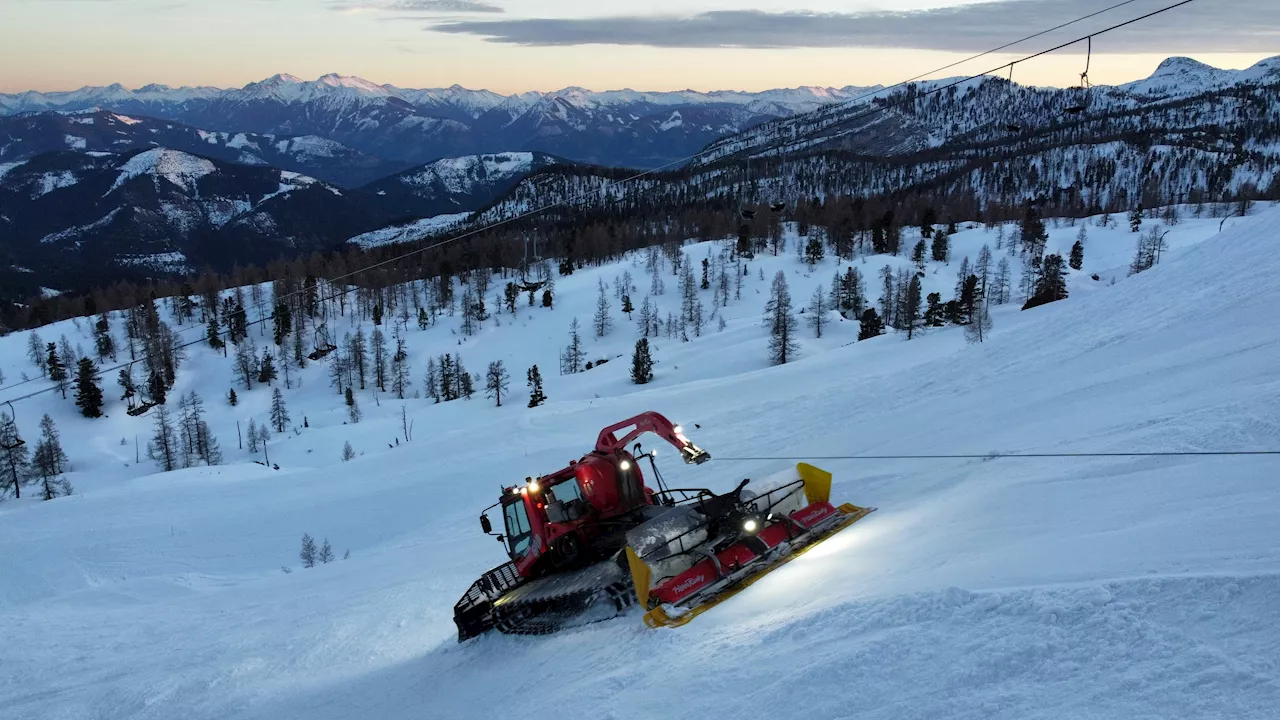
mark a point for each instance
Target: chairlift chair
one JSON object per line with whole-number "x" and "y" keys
{"x": 321, "y": 341}
{"x": 1083, "y": 92}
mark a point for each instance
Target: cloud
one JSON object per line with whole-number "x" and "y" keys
{"x": 417, "y": 6}
{"x": 1223, "y": 26}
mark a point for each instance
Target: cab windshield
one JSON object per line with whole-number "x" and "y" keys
{"x": 519, "y": 534}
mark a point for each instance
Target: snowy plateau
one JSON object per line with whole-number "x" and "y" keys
{"x": 1105, "y": 587}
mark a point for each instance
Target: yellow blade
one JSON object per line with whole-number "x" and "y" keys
{"x": 658, "y": 616}
{"x": 817, "y": 483}
{"x": 641, "y": 575}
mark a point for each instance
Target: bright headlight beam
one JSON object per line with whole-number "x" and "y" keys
{"x": 750, "y": 526}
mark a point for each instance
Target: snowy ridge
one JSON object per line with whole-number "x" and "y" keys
{"x": 289, "y": 89}
{"x": 428, "y": 227}
{"x": 178, "y": 168}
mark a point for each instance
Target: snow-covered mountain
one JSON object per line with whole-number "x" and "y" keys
{"x": 622, "y": 127}
{"x": 983, "y": 143}
{"x": 454, "y": 185}
{"x": 24, "y": 136}
{"x": 76, "y": 220}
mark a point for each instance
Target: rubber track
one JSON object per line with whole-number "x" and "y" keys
{"x": 545, "y": 606}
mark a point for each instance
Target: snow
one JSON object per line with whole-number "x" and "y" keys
{"x": 1183, "y": 76}
{"x": 6, "y": 168}
{"x": 1102, "y": 588}
{"x": 467, "y": 174}
{"x": 72, "y": 232}
{"x": 175, "y": 262}
{"x": 241, "y": 141}
{"x": 177, "y": 167}
{"x": 127, "y": 120}
{"x": 427, "y": 227}
{"x": 75, "y": 143}
{"x": 312, "y": 145}
{"x": 51, "y": 181}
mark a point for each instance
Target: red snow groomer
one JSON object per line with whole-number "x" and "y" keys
{"x": 587, "y": 541}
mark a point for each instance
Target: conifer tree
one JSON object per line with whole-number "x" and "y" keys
{"x": 814, "y": 251}
{"x": 969, "y": 297}
{"x": 156, "y": 390}
{"x": 57, "y": 370}
{"x": 1077, "y": 255}
{"x": 641, "y": 363}
{"x": 432, "y": 380}
{"x": 353, "y": 408}
{"x": 496, "y": 381}
{"x": 246, "y": 364}
{"x": 1002, "y": 284}
{"x": 918, "y": 256}
{"x": 36, "y": 352}
{"x": 781, "y": 323}
{"x": 48, "y": 462}
{"x": 325, "y": 556}
{"x": 911, "y": 306}
{"x": 378, "y": 344}
{"x": 1051, "y": 285}
{"x": 13, "y": 457}
{"x": 1033, "y": 235}
{"x": 982, "y": 268}
{"x": 283, "y": 319}
{"x": 534, "y": 380}
{"x": 279, "y": 411}
{"x": 571, "y": 359}
{"x": 231, "y": 398}
{"x": 817, "y": 316}
{"x": 308, "y": 552}
{"x": 212, "y": 334}
{"x": 466, "y": 387}
{"x": 163, "y": 446}
{"x": 267, "y": 372}
{"x": 1135, "y": 219}
{"x": 400, "y": 373}
{"x": 127, "y": 384}
{"x": 252, "y": 435}
{"x": 602, "y": 321}
{"x": 358, "y": 353}
{"x": 102, "y": 339}
{"x": 979, "y": 326}
{"x": 941, "y": 249}
{"x": 933, "y": 314}
{"x": 88, "y": 393}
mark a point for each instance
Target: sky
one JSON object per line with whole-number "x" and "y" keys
{"x": 518, "y": 45}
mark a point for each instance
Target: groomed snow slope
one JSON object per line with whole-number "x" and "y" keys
{"x": 1087, "y": 588}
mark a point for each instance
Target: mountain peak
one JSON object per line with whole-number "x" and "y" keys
{"x": 280, "y": 79}
{"x": 1180, "y": 64}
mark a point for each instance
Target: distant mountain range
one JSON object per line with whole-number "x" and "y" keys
{"x": 124, "y": 188}
{"x": 409, "y": 127}
{"x": 78, "y": 218}
{"x": 1190, "y": 133}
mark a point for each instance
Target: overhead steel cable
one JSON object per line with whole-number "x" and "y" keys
{"x": 646, "y": 173}
{"x": 1009, "y": 456}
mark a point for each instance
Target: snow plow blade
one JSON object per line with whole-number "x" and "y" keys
{"x": 700, "y": 558}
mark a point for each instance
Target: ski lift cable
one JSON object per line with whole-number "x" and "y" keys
{"x": 646, "y": 173}
{"x": 1011, "y": 456}
{"x": 993, "y": 51}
